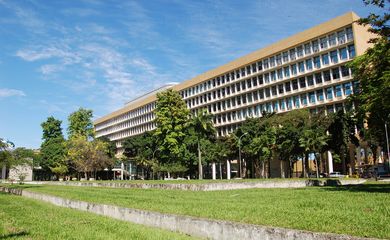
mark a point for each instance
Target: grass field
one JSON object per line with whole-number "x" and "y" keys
{"x": 23, "y": 218}
{"x": 362, "y": 210}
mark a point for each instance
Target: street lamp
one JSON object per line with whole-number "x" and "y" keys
{"x": 387, "y": 142}
{"x": 239, "y": 152}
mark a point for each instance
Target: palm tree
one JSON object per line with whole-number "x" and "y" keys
{"x": 312, "y": 142}
{"x": 203, "y": 128}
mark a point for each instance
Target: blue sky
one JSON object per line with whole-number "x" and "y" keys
{"x": 57, "y": 56}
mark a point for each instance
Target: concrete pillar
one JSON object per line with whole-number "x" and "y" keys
{"x": 228, "y": 169}
{"x": 214, "y": 171}
{"x": 3, "y": 172}
{"x": 122, "y": 169}
{"x": 330, "y": 162}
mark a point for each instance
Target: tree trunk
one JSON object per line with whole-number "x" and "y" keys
{"x": 200, "y": 169}
{"x": 220, "y": 170}
{"x": 304, "y": 166}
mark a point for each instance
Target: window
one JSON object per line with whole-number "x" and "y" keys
{"x": 301, "y": 66}
{"x": 243, "y": 73}
{"x": 285, "y": 57}
{"x": 254, "y": 68}
{"x": 323, "y": 43}
{"x": 260, "y": 66}
{"x": 249, "y": 83}
{"x": 280, "y": 74}
{"x": 294, "y": 69}
{"x": 272, "y": 62}
{"x": 341, "y": 37}
{"x": 248, "y": 70}
{"x": 307, "y": 48}
{"x": 315, "y": 46}
{"x": 356, "y": 87}
{"x": 310, "y": 81}
{"x": 289, "y": 103}
{"x": 282, "y": 104}
{"x": 255, "y": 96}
{"x": 300, "y": 51}
{"x": 349, "y": 33}
{"x": 317, "y": 62}
{"x": 337, "y": 90}
{"x": 312, "y": 97}
{"x": 304, "y": 99}
{"x": 295, "y": 84}
{"x": 273, "y": 76}
{"x": 286, "y": 72}
{"x": 343, "y": 53}
{"x": 274, "y": 91}
{"x": 267, "y": 92}
{"x": 243, "y": 86}
{"x": 351, "y": 51}
{"x": 261, "y": 82}
{"x": 335, "y": 73}
{"x": 280, "y": 88}
{"x": 296, "y": 101}
{"x": 318, "y": 78}
{"x": 309, "y": 64}
{"x": 279, "y": 59}
{"x": 329, "y": 93}
{"x": 261, "y": 93}
{"x": 238, "y": 87}
{"x": 325, "y": 59}
{"x": 344, "y": 71}
{"x": 254, "y": 81}
{"x": 329, "y": 109}
{"x": 287, "y": 86}
{"x": 320, "y": 95}
{"x": 347, "y": 89}
{"x": 292, "y": 54}
{"x": 332, "y": 39}
{"x": 302, "y": 82}
{"x": 265, "y": 64}
{"x": 326, "y": 75}
{"x": 266, "y": 78}
{"x": 333, "y": 57}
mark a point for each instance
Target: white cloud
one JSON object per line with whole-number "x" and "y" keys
{"x": 7, "y": 92}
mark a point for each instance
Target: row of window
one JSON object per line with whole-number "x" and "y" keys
{"x": 128, "y": 115}
{"x": 132, "y": 131}
{"x": 304, "y": 50}
{"x": 267, "y": 92}
{"x": 229, "y": 128}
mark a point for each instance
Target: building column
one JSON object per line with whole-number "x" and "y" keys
{"x": 330, "y": 162}
{"x": 3, "y": 172}
{"x": 122, "y": 169}
{"x": 228, "y": 169}
{"x": 214, "y": 171}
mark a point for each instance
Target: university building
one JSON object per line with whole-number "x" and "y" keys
{"x": 306, "y": 70}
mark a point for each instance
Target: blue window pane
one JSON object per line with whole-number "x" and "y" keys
{"x": 296, "y": 101}
{"x": 304, "y": 99}
{"x": 286, "y": 72}
{"x": 351, "y": 51}
{"x": 320, "y": 95}
{"x": 343, "y": 53}
{"x": 312, "y": 97}
{"x": 333, "y": 57}
{"x": 294, "y": 69}
{"x": 309, "y": 64}
{"x": 347, "y": 89}
{"x": 282, "y": 104}
{"x": 317, "y": 62}
{"x": 301, "y": 67}
{"x": 337, "y": 90}
{"x": 329, "y": 93}
{"x": 325, "y": 59}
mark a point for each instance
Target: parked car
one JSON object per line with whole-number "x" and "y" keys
{"x": 336, "y": 175}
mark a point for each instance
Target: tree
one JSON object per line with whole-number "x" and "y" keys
{"x": 53, "y": 148}
{"x": 80, "y": 123}
{"x": 372, "y": 70}
{"x": 6, "y": 158}
{"x": 88, "y": 156}
{"x": 172, "y": 116}
{"x": 203, "y": 129}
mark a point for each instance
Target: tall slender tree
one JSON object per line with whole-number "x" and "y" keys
{"x": 80, "y": 123}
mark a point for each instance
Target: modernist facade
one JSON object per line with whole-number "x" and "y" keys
{"x": 306, "y": 70}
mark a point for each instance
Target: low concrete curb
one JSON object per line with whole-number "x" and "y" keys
{"x": 211, "y": 186}
{"x": 197, "y": 227}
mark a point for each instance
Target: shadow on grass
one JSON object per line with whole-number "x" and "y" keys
{"x": 14, "y": 235}
{"x": 369, "y": 188}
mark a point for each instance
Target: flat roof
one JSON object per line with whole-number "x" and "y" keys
{"x": 282, "y": 45}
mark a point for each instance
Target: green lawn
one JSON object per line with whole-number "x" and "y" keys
{"x": 23, "y": 218}
{"x": 356, "y": 210}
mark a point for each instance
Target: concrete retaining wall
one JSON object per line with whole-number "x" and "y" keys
{"x": 210, "y": 186}
{"x": 198, "y": 227}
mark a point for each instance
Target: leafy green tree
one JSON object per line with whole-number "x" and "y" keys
{"x": 80, "y": 123}
{"x": 6, "y": 158}
{"x": 53, "y": 151}
{"x": 372, "y": 70}
{"x": 172, "y": 117}
{"x": 88, "y": 156}
{"x": 204, "y": 130}
{"x": 111, "y": 146}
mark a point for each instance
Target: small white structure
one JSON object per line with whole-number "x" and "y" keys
{"x": 21, "y": 173}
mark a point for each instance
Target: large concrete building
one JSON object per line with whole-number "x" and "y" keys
{"x": 306, "y": 70}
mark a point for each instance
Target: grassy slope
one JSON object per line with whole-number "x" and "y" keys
{"x": 362, "y": 211}
{"x": 23, "y": 218}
